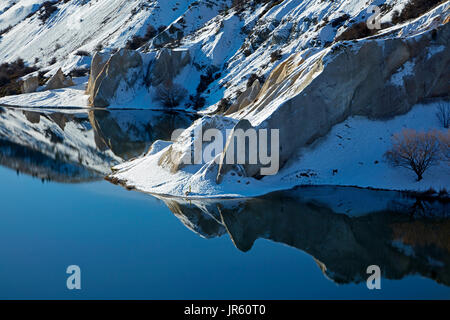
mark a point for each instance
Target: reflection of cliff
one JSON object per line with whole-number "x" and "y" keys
{"x": 74, "y": 146}
{"x": 39, "y": 165}
{"x": 129, "y": 133}
{"x": 343, "y": 245}
{"x": 199, "y": 221}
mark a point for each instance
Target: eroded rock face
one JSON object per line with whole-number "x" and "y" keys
{"x": 246, "y": 98}
{"x": 58, "y": 81}
{"x": 225, "y": 165}
{"x": 125, "y": 65}
{"x": 305, "y": 97}
{"x": 98, "y": 63}
{"x": 166, "y": 66}
{"x": 189, "y": 148}
{"x": 30, "y": 85}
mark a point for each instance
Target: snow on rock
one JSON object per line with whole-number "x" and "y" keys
{"x": 67, "y": 97}
{"x": 357, "y": 147}
{"x": 313, "y": 83}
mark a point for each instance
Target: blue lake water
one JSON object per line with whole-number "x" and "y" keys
{"x": 131, "y": 245}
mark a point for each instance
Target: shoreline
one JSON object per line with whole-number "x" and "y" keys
{"x": 428, "y": 195}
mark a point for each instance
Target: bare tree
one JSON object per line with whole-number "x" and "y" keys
{"x": 414, "y": 150}
{"x": 444, "y": 140}
{"x": 169, "y": 94}
{"x": 443, "y": 114}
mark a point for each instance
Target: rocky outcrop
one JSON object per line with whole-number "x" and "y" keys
{"x": 307, "y": 94}
{"x": 30, "y": 85}
{"x": 123, "y": 66}
{"x": 98, "y": 63}
{"x": 305, "y": 97}
{"x": 127, "y": 66}
{"x": 225, "y": 165}
{"x": 166, "y": 66}
{"x": 247, "y": 97}
{"x": 58, "y": 81}
{"x": 311, "y": 91}
{"x": 189, "y": 147}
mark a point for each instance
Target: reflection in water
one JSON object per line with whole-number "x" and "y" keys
{"x": 76, "y": 145}
{"x": 344, "y": 229}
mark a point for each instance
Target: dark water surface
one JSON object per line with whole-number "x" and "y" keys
{"x": 308, "y": 243}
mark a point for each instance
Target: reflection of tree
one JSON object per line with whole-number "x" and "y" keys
{"x": 421, "y": 208}
{"x": 424, "y": 233}
{"x": 343, "y": 246}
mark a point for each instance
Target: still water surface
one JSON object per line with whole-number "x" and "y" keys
{"x": 307, "y": 243}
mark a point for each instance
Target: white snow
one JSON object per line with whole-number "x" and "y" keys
{"x": 238, "y": 45}
{"x": 67, "y": 97}
{"x": 78, "y": 137}
{"x": 357, "y": 147}
{"x": 397, "y": 79}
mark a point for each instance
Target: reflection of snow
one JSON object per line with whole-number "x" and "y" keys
{"x": 435, "y": 263}
{"x": 357, "y": 147}
{"x": 406, "y": 249}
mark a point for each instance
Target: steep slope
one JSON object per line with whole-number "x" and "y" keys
{"x": 60, "y": 29}
{"x": 298, "y": 66}
{"x": 227, "y": 46}
{"x": 304, "y": 97}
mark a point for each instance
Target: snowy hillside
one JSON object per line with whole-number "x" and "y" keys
{"x": 309, "y": 68}
{"x": 224, "y": 43}
{"x": 77, "y": 25}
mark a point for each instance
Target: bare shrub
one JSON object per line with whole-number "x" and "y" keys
{"x": 444, "y": 140}
{"x": 414, "y": 150}
{"x": 223, "y": 105}
{"x": 276, "y": 55}
{"x": 197, "y": 101}
{"x": 52, "y": 61}
{"x": 10, "y": 74}
{"x": 356, "y": 31}
{"x": 98, "y": 47}
{"x": 47, "y": 9}
{"x": 414, "y": 9}
{"x": 82, "y": 53}
{"x": 443, "y": 114}
{"x": 169, "y": 94}
{"x": 79, "y": 72}
{"x": 137, "y": 41}
{"x": 253, "y": 77}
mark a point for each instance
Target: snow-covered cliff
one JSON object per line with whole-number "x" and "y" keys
{"x": 303, "y": 67}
